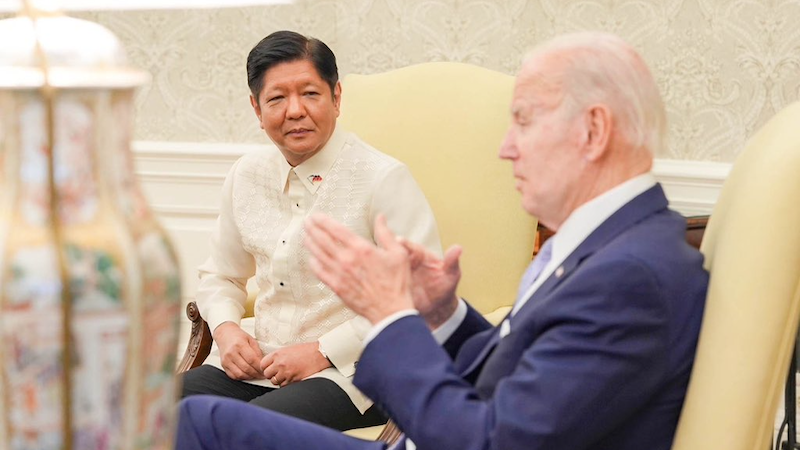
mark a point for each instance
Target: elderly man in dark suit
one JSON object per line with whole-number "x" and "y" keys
{"x": 598, "y": 348}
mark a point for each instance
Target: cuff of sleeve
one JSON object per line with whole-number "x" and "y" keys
{"x": 380, "y": 326}
{"x": 445, "y": 330}
{"x": 218, "y": 314}
{"x": 340, "y": 346}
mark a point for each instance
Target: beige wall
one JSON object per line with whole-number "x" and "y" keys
{"x": 724, "y": 66}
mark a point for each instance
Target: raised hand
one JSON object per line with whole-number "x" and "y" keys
{"x": 433, "y": 282}
{"x": 373, "y": 281}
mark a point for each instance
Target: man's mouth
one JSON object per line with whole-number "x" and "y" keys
{"x": 298, "y": 132}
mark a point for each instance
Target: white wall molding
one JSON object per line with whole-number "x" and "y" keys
{"x": 691, "y": 186}
{"x": 162, "y": 150}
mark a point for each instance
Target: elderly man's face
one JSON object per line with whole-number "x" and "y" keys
{"x": 544, "y": 143}
{"x": 296, "y": 109}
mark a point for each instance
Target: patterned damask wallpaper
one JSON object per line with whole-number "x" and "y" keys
{"x": 724, "y": 66}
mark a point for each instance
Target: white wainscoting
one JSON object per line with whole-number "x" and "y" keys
{"x": 183, "y": 181}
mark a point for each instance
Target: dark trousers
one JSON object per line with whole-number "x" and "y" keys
{"x": 316, "y": 400}
{"x": 213, "y": 423}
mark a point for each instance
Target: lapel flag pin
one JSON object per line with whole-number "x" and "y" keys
{"x": 314, "y": 179}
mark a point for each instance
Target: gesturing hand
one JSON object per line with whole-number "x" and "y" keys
{"x": 433, "y": 282}
{"x": 239, "y": 352}
{"x": 293, "y": 363}
{"x": 372, "y": 281}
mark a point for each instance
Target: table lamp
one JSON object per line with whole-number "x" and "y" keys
{"x": 89, "y": 283}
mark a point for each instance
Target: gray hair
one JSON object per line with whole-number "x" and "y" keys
{"x": 603, "y": 68}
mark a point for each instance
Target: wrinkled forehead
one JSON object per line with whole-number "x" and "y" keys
{"x": 540, "y": 80}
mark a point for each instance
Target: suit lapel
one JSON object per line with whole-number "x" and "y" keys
{"x": 642, "y": 206}
{"x": 485, "y": 350}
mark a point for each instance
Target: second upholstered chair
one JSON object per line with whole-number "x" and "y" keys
{"x": 753, "y": 303}
{"x": 446, "y": 121}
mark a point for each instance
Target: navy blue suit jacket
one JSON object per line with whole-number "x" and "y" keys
{"x": 598, "y": 358}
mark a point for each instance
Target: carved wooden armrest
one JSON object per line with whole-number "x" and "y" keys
{"x": 390, "y": 433}
{"x": 199, "y": 341}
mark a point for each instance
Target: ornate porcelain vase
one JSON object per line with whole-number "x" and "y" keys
{"x": 89, "y": 283}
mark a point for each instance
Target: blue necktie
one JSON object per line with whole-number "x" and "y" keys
{"x": 528, "y": 278}
{"x": 535, "y": 269}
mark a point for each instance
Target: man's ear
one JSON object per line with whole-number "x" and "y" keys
{"x": 599, "y": 125}
{"x": 256, "y": 109}
{"x": 337, "y": 97}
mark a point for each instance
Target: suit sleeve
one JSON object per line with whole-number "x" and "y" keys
{"x": 472, "y": 324}
{"x": 564, "y": 392}
{"x": 398, "y": 197}
{"x": 222, "y": 290}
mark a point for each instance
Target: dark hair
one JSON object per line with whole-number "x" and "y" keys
{"x": 287, "y": 46}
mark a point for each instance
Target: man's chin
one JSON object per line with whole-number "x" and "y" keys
{"x": 530, "y": 209}
{"x": 296, "y": 155}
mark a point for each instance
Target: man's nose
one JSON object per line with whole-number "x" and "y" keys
{"x": 295, "y": 108}
{"x": 508, "y": 149}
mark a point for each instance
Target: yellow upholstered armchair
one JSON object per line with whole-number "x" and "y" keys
{"x": 446, "y": 121}
{"x": 751, "y": 316}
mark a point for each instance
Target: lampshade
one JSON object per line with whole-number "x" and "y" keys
{"x": 98, "y": 5}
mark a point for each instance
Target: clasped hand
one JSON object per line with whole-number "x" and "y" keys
{"x": 242, "y": 358}
{"x": 378, "y": 281}
{"x": 293, "y": 363}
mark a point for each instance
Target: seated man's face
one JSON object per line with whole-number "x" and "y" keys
{"x": 544, "y": 144}
{"x": 297, "y": 110}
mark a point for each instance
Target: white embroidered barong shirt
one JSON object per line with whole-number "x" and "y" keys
{"x": 260, "y": 233}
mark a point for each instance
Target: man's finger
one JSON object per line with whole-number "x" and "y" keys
{"x": 247, "y": 368}
{"x": 451, "y": 257}
{"x": 233, "y": 372}
{"x": 270, "y": 371}
{"x": 266, "y": 361}
{"x": 251, "y": 358}
{"x": 240, "y": 369}
{"x": 255, "y": 360}
{"x": 417, "y": 254}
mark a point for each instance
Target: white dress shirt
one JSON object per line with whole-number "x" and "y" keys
{"x": 260, "y": 233}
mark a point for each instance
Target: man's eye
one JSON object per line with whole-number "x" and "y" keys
{"x": 274, "y": 99}
{"x": 312, "y": 93}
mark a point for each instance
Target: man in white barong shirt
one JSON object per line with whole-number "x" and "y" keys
{"x": 302, "y": 353}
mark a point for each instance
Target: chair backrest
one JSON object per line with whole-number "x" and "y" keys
{"x": 752, "y": 250}
{"x": 446, "y": 122}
